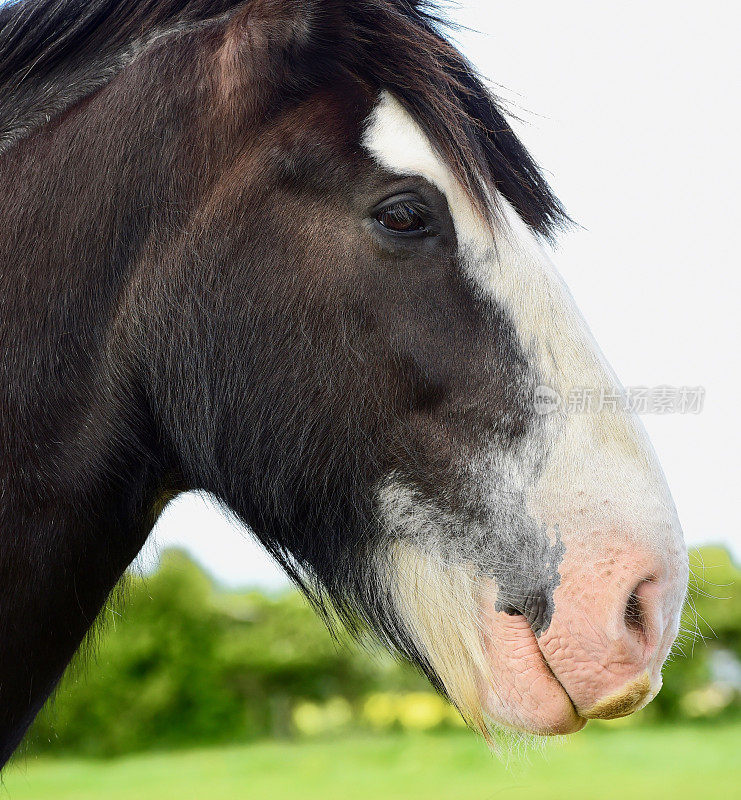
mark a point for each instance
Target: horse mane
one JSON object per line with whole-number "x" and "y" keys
{"x": 53, "y": 53}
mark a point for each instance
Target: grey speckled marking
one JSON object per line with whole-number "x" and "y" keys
{"x": 528, "y": 586}
{"x": 505, "y": 544}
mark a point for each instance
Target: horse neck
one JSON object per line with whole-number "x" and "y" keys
{"x": 88, "y": 200}
{"x": 85, "y": 203}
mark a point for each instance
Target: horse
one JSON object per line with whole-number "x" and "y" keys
{"x": 291, "y": 253}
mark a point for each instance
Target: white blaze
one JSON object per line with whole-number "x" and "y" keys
{"x": 511, "y": 268}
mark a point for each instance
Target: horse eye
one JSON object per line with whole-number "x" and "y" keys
{"x": 401, "y": 217}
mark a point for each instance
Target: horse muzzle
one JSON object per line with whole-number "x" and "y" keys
{"x": 614, "y": 620}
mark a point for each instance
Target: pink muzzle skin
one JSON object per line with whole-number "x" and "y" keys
{"x": 601, "y": 655}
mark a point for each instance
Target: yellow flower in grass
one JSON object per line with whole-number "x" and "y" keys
{"x": 314, "y": 719}
{"x": 381, "y": 710}
{"x": 422, "y": 711}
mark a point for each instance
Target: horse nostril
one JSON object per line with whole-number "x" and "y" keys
{"x": 636, "y": 614}
{"x": 534, "y": 607}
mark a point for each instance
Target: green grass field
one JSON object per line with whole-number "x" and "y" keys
{"x": 683, "y": 762}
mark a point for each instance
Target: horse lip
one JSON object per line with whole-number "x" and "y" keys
{"x": 582, "y": 718}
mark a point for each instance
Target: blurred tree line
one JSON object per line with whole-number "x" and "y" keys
{"x": 182, "y": 663}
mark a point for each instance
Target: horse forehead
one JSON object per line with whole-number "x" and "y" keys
{"x": 334, "y": 113}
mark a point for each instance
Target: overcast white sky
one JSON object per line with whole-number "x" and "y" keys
{"x": 632, "y": 108}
